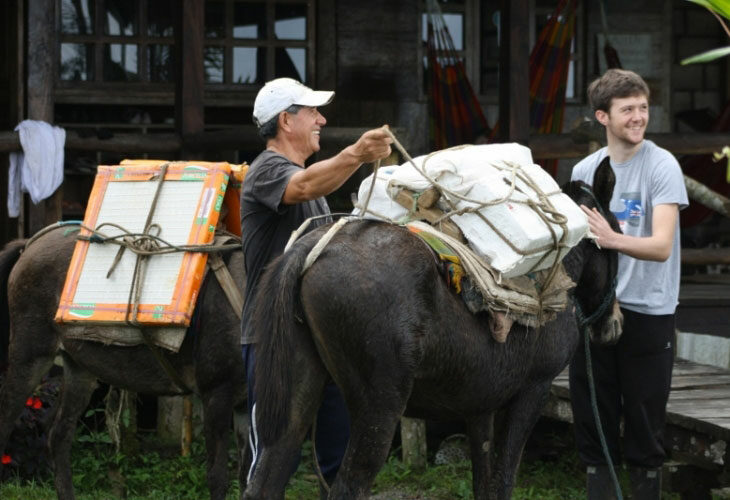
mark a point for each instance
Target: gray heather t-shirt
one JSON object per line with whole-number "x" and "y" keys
{"x": 652, "y": 177}
{"x": 267, "y": 223}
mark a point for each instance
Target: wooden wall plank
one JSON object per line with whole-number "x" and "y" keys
{"x": 189, "y": 93}
{"x": 514, "y": 97}
{"x": 41, "y": 46}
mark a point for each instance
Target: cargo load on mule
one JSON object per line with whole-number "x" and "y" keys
{"x": 501, "y": 217}
{"x": 148, "y": 233}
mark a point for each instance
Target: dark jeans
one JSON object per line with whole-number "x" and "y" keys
{"x": 333, "y": 422}
{"x": 632, "y": 380}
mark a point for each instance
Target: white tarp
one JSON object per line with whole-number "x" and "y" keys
{"x": 484, "y": 174}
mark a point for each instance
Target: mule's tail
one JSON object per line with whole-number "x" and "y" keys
{"x": 8, "y": 257}
{"x": 274, "y": 327}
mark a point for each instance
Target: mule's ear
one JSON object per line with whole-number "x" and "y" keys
{"x": 604, "y": 181}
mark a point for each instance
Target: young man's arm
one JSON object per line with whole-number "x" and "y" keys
{"x": 656, "y": 247}
{"x": 323, "y": 177}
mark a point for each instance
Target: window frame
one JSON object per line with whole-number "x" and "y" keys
{"x": 270, "y": 43}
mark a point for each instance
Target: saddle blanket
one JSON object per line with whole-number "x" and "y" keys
{"x": 531, "y": 300}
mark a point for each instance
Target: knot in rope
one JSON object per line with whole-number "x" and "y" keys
{"x": 146, "y": 243}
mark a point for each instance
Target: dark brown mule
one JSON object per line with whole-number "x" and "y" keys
{"x": 209, "y": 361}
{"x": 373, "y": 313}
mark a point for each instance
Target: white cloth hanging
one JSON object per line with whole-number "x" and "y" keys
{"x": 38, "y": 169}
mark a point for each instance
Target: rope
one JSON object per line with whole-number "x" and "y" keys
{"x": 584, "y": 325}
{"x": 323, "y": 241}
{"x": 544, "y": 209}
{"x": 376, "y": 166}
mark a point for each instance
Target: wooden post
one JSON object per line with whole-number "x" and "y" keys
{"x": 187, "y": 426}
{"x": 514, "y": 74}
{"x": 189, "y": 120}
{"x": 41, "y": 52}
{"x": 413, "y": 442}
{"x": 189, "y": 92}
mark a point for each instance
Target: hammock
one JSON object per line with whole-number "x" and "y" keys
{"x": 455, "y": 113}
{"x": 549, "y": 63}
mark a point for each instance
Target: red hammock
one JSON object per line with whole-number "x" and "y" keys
{"x": 549, "y": 64}
{"x": 455, "y": 113}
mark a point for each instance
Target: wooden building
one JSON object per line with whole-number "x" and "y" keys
{"x": 176, "y": 79}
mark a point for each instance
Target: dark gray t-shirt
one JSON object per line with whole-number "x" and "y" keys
{"x": 267, "y": 223}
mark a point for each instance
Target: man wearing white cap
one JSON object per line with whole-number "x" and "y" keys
{"x": 278, "y": 194}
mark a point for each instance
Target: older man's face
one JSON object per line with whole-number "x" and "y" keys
{"x": 305, "y": 128}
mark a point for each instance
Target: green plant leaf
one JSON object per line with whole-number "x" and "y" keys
{"x": 710, "y": 55}
{"x": 722, "y": 7}
{"x": 703, "y": 3}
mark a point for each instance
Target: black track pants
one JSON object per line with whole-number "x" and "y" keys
{"x": 632, "y": 379}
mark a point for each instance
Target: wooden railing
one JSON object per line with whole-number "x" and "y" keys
{"x": 547, "y": 146}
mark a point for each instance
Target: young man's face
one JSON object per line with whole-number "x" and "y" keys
{"x": 626, "y": 119}
{"x": 305, "y": 127}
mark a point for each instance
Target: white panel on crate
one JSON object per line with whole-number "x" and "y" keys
{"x": 127, "y": 204}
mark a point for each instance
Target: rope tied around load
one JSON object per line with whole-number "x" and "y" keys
{"x": 542, "y": 207}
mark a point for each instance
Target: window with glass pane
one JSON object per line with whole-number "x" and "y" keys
{"x": 292, "y": 63}
{"x": 249, "y": 20}
{"x": 120, "y": 17}
{"x": 251, "y": 41}
{"x": 246, "y": 61}
{"x": 160, "y": 18}
{"x": 77, "y": 17}
{"x": 108, "y": 33}
{"x": 120, "y": 63}
{"x": 161, "y": 63}
{"x": 213, "y": 64}
{"x": 290, "y": 22}
{"x": 77, "y": 62}
{"x": 215, "y": 19}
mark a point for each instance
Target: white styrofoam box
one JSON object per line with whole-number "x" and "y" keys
{"x": 437, "y": 167}
{"x": 519, "y": 223}
{"x": 380, "y": 202}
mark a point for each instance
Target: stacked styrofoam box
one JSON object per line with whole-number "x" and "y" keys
{"x": 484, "y": 173}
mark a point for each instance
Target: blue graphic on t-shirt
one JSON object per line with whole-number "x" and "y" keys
{"x": 632, "y": 211}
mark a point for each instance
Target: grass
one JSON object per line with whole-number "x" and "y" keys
{"x": 161, "y": 474}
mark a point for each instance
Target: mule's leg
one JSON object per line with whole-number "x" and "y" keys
{"x": 217, "y": 411}
{"x": 375, "y": 406}
{"x": 78, "y": 385}
{"x": 241, "y": 429}
{"x": 28, "y": 361}
{"x": 276, "y": 462}
{"x": 479, "y": 430}
{"x": 512, "y": 427}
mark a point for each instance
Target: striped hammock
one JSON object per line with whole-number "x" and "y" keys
{"x": 549, "y": 63}
{"x": 455, "y": 114}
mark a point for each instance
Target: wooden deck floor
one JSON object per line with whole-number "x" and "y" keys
{"x": 698, "y": 417}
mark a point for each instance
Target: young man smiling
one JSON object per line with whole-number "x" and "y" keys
{"x": 278, "y": 195}
{"x": 633, "y": 377}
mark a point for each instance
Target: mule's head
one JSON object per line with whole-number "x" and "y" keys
{"x": 595, "y": 292}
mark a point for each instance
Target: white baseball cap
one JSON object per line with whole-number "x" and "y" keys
{"x": 277, "y": 95}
